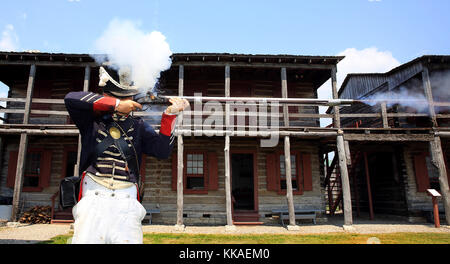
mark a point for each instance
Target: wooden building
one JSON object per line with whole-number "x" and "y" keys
{"x": 220, "y": 176}
{"x": 392, "y": 176}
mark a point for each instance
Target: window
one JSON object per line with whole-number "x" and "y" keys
{"x": 301, "y": 172}
{"x": 195, "y": 171}
{"x": 200, "y": 173}
{"x": 37, "y": 170}
{"x": 32, "y": 170}
{"x": 293, "y": 173}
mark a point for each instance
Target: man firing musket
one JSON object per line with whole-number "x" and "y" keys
{"x": 113, "y": 141}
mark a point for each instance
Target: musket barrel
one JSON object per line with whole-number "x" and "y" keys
{"x": 306, "y": 101}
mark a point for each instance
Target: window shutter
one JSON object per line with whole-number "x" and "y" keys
{"x": 307, "y": 172}
{"x": 174, "y": 171}
{"x": 212, "y": 171}
{"x": 271, "y": 172}
{"x": 45, "y": 168}
{"x": 422, "y": 178}
{"x": 12, "y": 165}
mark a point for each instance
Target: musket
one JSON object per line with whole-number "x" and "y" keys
{"x": 150, "y": 99}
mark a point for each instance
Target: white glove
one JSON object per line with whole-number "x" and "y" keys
{"x": 178, "y": 105}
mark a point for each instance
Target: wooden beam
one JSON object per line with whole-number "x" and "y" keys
{"x": 347, "y": 152}
{"x": 337, "y": 119}
{"x": 284, "y": 94}
{"x": 439, "y": 161}
{"x": 429, "y": 95}
{"x": 384, "y": 115}
{"x": 228, "y": 181}
{"x": 347, "y": 199}
{"x": 228, "y": 190}
{"x": 289, "y": 193}
{"x": 23, "y": 148}
{"x": 253, "y": 65}
{"x": 369, "y": 189}
{"x": 180, "y": 155}
{"x": 46, "y": 132}
{"x": 389, "y": 137}
{"x": 30, "y": 88}
{"x": 180, "y": 187}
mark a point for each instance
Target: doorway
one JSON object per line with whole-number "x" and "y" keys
{"x": 243, "y": 181}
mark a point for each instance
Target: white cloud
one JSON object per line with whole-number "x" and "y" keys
{"x": 369, "y": 60}
{"x": 8, "y": 39}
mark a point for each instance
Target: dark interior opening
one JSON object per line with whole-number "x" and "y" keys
{"x": 242, "y": 181}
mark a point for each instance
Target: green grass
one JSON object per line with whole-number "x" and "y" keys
{"x": 334, "y": 238}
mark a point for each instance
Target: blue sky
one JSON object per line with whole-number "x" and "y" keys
{"x": 406, "y": 28}
{"x": 396, "y": 30}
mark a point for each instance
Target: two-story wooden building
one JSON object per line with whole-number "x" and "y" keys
{"x": 226, "y": 177}
{"x": 224, "y": 170}
{"x": 391, "y": 175}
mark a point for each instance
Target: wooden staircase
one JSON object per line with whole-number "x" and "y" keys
{"x": 60, "y": 215}
{"x": 333, "y": 182}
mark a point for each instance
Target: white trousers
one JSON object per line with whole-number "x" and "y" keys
{"x": 105, "y": 216}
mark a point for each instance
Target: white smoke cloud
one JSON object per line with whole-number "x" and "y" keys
{"x": 127, "y": 46}
{"x": 9, "y": 40}
{"x": 369, "y": 60}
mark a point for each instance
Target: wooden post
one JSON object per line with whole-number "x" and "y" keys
{"x": 346, "y": 195}
{"x": 437, "y": 222}
{"x": 284, "y": 94}
{"x": 429, "y": 95}
{"x": 23, "y": 148}
{"x": 337, "y": 119}
{"x": 227, "y": 151}
{"x": 289, "y": 194}
{"x": 438, "y": 160}
{"x": 87, "y": 78}
{"x": 347, "y": 152}
{"x": 180, "y": 154}
{"x": 384, "y": 115}
{"x": 369, "y": 189}
{"x": 180, "y": 170}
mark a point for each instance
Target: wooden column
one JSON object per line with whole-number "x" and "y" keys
{"x": 337, "y": 119}
{"x": 287, "y": 152}
{"x": 180, "y": 155}
{"x": 284, "y": 94}
{"x": 87, "y": 78}
{"x": 289, "y": 193}
{"x": 23, "y": 147}
{"x": 346, "y": 195}
{"x": 227, "y": 151}
{"x": 369, "y": 189}
{"x": 429, "y": 95}
{"x": 384, "y": 115}
{"x": 438, "y": 160}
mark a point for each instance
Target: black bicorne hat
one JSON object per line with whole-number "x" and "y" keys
{"x": 122, "y": 88}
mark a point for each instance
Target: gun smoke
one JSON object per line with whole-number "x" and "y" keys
{"x": 411, "y": 95}
{"x": 144, "y": 54}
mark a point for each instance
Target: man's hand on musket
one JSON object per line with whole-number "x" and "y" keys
{"x": 178, "y": 105}
{"x": 126, "y": 106}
